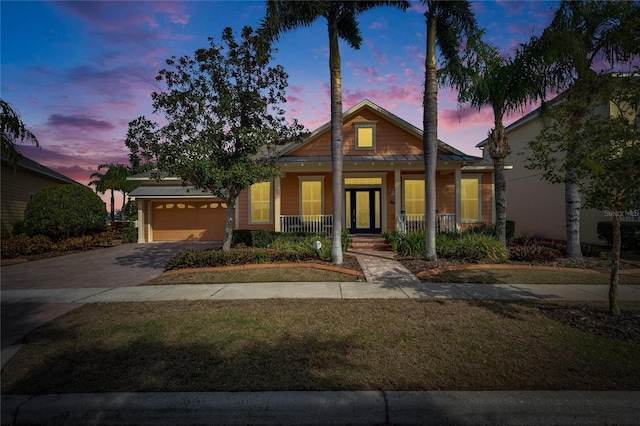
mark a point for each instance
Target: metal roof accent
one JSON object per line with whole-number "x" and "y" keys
{"x": 162, "y": 191}
{"x": 379, "y": 158}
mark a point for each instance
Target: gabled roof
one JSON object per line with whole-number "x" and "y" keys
{"x": 367, "y": 104}
{"x": 35, "y": 167}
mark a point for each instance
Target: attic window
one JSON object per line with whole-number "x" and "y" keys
{"x": 365, "y": 135}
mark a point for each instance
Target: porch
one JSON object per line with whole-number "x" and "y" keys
{"x": 324, "y": 223}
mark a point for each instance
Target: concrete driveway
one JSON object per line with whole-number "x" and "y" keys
{"x": 118, "y": 266}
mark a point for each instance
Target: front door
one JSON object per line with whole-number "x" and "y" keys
{"x": 362, "y": 208}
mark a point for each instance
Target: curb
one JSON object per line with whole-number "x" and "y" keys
{"x": 325, "y": 408}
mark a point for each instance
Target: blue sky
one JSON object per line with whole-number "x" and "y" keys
{"x": 79, "y": 72}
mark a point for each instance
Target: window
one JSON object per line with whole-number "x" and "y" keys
{"x": 414, "y": 196}
{"x": 470, "y": 199}
{"x": 363, "y": 181}
{"x": 260, "y": 203}
{"x": 365, "y": 135}
{"x": 311, "y": 197}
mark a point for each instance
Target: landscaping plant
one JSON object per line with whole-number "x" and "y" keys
{"x": 64, "y": 211}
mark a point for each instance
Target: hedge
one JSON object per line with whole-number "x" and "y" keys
{"x": 236, "y": 256}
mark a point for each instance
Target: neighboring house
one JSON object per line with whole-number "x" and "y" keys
{"x": 537, "y": 206}
{"x": 383, "y": 187}
{"x": 22, "y": 182}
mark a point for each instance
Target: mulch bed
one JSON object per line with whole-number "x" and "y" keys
{"x": 623, "y": 327}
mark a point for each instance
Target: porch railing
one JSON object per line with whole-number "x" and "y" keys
{"x": 414, "y": 222}
{"x": 320, "y": 223}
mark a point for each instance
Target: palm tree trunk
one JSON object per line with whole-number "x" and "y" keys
{"x": 113, "y": 207}
{"x": 499, "y": 149}
{"x": 573, "y": 203}
{"x": 500, "y": 185}
{"x": 336, "y": 144}
{"x": 430, "y": 139}
{"x": 124, "y": 204}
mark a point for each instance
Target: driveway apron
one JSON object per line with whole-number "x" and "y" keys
{"x": 118, "y": 266}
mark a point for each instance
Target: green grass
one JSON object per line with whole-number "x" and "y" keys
{"x": 316, "y": 345}
{"x": 526, "y": 276}
{"x": 300, "y": 274}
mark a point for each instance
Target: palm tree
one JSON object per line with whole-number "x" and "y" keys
{"x": 582, "y": 34}
{"x": 447, "y": 22}
{"x": 115, "y": 179}
{"x": 13, "y": 130}
{"x": 103, "y": 183}
{"x": 283, "y": 16}
{"x": 505, "y": 83}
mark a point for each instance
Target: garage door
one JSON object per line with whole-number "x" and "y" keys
{"x": 188, "y": 221}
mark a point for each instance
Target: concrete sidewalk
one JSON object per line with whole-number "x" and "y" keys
{"x": 325, "y": 408}
{"x": 321, "y": 290}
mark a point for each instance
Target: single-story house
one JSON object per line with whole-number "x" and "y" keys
{"x": 383, "y": 174}
{"x": 537, "y": 206}
{"x": 20, "y": 184}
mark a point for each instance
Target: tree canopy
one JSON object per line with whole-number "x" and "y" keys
{"x": 224, "y": 116}
{"x": 13, "y": 131}
{"x": 604, "y": 146}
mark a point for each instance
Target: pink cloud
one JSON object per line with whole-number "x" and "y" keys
{"x": 176, "y": 11}
{"x": 376, "y": 25}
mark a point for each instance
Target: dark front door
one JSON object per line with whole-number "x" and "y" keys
{"x": 362, "y": 208}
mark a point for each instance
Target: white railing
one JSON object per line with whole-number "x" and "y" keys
{"x": 414, "y": 222}
{"x": 320, "y": 223}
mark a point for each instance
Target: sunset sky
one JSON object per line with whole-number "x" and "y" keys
{"x": 78, "y": 72}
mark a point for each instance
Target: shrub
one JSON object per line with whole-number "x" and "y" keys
{"x": 510, "y": 229}
{"x": 414, "y": 244}
{"x": 75, "y": 243}
{"x": 395, "y": 238}
{"x": 345, "y": 239}
{"x": 533, "y": 253}
{"x": 129, "y": 234}
{"x": 236, "y": 256}
{"x": 103, "y": 238}
{"x": 22, "y": 245}
{"x": 262, "y": 238}
{"x": 18, "y": 228}
{"x": 629, "y": 232}
{"x": 64, "y": 211}
{"x": 472, "y": 247}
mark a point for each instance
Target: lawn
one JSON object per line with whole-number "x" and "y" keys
{"x": 526, "y": 276}
{"x": 280, "y": 274}
{"x": 320, "y": 345}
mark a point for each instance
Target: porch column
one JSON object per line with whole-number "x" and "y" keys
{"x": 397, "y": 188}
{"x": 149, "y": 219}
{"x": 276, "y": 204}
{"x": 141, "y": 220}
{"x": 458, "y": 195}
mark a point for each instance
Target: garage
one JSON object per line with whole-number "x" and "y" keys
{"x": 188, "y": 220}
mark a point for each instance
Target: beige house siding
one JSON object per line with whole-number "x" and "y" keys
{"x": 17, "y": 186}
{"x": 537, "y": 206}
